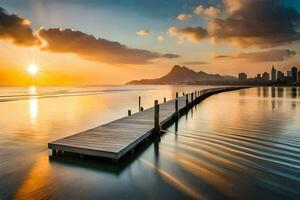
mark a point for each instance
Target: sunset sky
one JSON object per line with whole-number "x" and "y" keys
{"x": 112, "y": 42}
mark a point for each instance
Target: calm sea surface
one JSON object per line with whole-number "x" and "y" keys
{"x": 236, "y": 145}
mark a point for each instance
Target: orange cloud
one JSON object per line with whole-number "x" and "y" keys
{"x": 184, "y": 17}
{"x": 193, "y": 34}
{"x": 16, "y": 29}
{"x": 90, "y": 48}
{"x": 273, "y": 55}
{"x": 262, "y": 23}
{"x": 143, "y": 32}
{"x": 211, "y": 11}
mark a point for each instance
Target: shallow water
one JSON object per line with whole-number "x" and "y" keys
{"x": 242, "y": 144}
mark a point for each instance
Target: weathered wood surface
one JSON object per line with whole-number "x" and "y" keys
{"x": 115, "y": 139}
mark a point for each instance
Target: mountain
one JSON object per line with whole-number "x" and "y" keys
{"x": 183, "y": 75}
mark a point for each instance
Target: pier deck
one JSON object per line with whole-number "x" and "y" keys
{"x": 115, "y": 139}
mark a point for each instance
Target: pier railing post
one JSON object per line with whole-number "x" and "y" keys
{"x": 187, "y": 100}
{"x": 129, "y": 112}
{"x": 140, "y": 98}
{"x": 165, "y": 99}
{"x": 176, "y": 108}
{"x": 192, "y": 97}
{"x": 156, "y": 117}
{"x": 176, "y": 95}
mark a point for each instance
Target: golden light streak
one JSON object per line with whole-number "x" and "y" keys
{"x": 181, "y": 185}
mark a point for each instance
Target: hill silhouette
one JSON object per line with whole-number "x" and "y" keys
{"x": 183, "y": 75}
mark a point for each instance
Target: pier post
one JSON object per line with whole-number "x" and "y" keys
{"x": 140, "y": 98}
{"x": 142, "y": 108}
{"x": 176, "y": 108}
{"x": 192, "y": 97}
{"x": 156, "y": 117}
{"x": 176, "y": 95}
{"x": 187, "y": 100}
{"x": 165, "y": 99}
{"x": 183, "y": 93}
{"x": 129, "y": 112}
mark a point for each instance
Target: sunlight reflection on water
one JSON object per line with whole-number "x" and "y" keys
{"x": 243, "y": 144}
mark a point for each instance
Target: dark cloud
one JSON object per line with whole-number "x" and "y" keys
{"x": 16, "y": 29}
{"x": 195, "y": 63}
{"x": 273, "y": 55}
{"x": 263, "y": 23}
{"x": 194, "y": 34}
{"x": 90, "y": 48}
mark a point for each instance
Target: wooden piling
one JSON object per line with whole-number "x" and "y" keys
{"x": 176, "y": 95}
{"x": 165, "y": 99}
{"x": 187, "y": 100}
{"x": 156, "y": 117}
{"x": 176, "y": 108}
{"x": 140, "y": 99}
{"x": 129, "y": 112}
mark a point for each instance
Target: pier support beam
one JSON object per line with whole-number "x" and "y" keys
{"x": 156, "y": 117}
{"x": 187, "y": 100}
{"x": 140, "y": 99}
{"x": 165, "y": 99}
{"x": 192, "y": 97}
{"x": 176, "y": 109}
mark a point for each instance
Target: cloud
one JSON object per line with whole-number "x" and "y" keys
{"x": 90, "y": 48}
{"x": 143, "y": 32}
{"x": 184, "y": 17}
{"x": 195, "y": 63}
{"x": 273, "y": 55}
{"x": 16, "y": 29}
{"x": 193, "y": 34}
{"x": 199, "y": 10}
{"x": 211, "y": 11}
{"x": 262, "y": 23}
{"x": 160, "y": 38}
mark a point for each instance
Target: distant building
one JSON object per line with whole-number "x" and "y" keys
{"x": 280, "y": 76}
{"x": 242, "y": 77}
{"x": 273, "y": 74}
{"x": 294, "y": 74}
{"x": 266, "y": 77}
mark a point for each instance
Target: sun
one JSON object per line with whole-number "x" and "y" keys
{"x": 32, "y": 69}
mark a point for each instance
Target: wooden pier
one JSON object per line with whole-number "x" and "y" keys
{"x": 115, "y": 139}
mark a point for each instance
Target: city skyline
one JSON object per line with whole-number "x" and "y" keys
{"x": 275, "y": 76}
{"x": 104, "y": 42}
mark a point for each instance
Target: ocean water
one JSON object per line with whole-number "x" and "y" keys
{"x": 236, "y": 145}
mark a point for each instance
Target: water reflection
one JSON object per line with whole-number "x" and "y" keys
{"x": 241, "y": 145}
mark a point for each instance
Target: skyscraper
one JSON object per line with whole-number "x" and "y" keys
{"x": 242, "y": 77}
{"x": 294, "y": 74}
{"x": 280, "y": 76}
{"x": 266, "y": 77}
{"x": 273, "y": 74}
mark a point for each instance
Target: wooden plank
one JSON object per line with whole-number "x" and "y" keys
{"x": 115, "y": 139}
